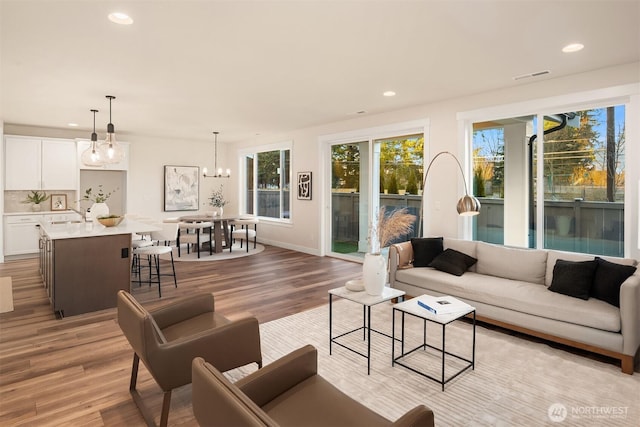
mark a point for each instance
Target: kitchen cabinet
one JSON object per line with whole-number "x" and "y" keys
{"x": 85, "y": 265}
{"x": 40, "y": 164}
{"x": 21, "y": 232}
{"x": 82, "y": 145}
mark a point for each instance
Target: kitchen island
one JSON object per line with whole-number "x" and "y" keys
{"x": 84, "y": 264}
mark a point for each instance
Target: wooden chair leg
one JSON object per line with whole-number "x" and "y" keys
{"x": 166, "y": 405}
{"x": 134, "y": 372}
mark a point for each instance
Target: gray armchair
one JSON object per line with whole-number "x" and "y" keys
{"x": 168, "y": 338}
{"x": 287, "y": 392}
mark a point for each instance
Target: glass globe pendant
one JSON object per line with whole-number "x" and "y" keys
{"x": 91, "y": 156}
{"x": 110, "y": 150}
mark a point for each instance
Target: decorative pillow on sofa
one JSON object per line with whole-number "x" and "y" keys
{"x": 453, "y": 262}
{"x": 425, "y": 250}
{"x": 573, "y": 278}
{"x": 608, "y": 279}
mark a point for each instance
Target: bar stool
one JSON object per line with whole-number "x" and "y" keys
{"x": 167, "y": 233}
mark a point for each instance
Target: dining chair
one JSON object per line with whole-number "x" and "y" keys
{"x": 245, "y": 232}
{"x": 195, "y": 233}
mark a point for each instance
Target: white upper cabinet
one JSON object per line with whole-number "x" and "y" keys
{"x": 40, "y": 164}
{"x": 122, "y": 166}
{"x": 59, "y": 165}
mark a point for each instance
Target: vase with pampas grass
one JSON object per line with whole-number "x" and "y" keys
{"x": 383, "y": 230}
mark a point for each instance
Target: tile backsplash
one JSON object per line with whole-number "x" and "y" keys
{"x": 13, "y": 200}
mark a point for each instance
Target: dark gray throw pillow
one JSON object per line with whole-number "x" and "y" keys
{"x": 573, "y": 278}
{"x": 425, "y": 250}
{"x": 453, "y": 262}
{"x": 608, "y": 279}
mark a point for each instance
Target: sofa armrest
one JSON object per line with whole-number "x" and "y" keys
{"x": 265, "y": 384}
{"x": 420, "y": 416}
{"x": 400, "y": 256}
{"x": 183, "y": 309}
{"x": 630, "y": 314}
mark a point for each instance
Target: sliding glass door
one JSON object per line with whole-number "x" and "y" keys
{"x": 367, "y": 175}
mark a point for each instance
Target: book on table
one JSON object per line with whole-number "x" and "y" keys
{"x": 443, "y": 305}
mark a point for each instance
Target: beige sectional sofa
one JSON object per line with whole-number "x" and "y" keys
{"x": 509, "y": 287}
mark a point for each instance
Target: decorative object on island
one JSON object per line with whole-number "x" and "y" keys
{"x": 110, "y": 150}
{"x": 91, "y": 156}
{"x": 467, "y": 205}
{"x": 217, "y": 172}
{"x": 36, "y": 197}
{"x": 384, "y": 229}
{"x": 181, "y": 188}
{"x": 99, "y": 207}
{"x": 217, "y": 201}
{"x": 304, "y": 185}
{"x": 110, "y": 220}
{"x": 58, "y": 202}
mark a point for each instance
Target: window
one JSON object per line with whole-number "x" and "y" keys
{"x": 267, "y": 181}
{"x": 571, "y": 177}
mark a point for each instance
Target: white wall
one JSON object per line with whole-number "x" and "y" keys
{"x": 305, "y": 233}
{"x": 149, "y": 154}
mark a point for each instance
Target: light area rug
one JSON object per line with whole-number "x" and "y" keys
{"x": 6, "y": 295}
{"x": 516, "y": 382}
{"x": 237, "y": 252}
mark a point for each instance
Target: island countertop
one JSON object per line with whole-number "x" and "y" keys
{"x": 72, "y": 230}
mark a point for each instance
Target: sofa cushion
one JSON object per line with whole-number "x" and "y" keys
{"x": 608, "y": 278}
{"x": 465, "y": 246}
{"x": 453, "y": 262}
{"x": 554, "y": 255}
{"x": 573, "y": 278}
{"x": 425, "y": 250}
{"x": 524, "y": 297}
{"x": 528, "y": 265}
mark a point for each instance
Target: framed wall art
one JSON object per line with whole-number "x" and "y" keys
{"x": 304, "y": 185}
{"x": 181, "y": 188}
{"x": 58, "y": 202}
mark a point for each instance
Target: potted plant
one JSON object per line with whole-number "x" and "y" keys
{"x": 36, "y": 197}
{"x": 217, "y": 200}
{"x": 99, "y": 207}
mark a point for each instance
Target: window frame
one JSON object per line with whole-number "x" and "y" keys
{"x": 626, "y": 95}
{"x": 242, "y": 155}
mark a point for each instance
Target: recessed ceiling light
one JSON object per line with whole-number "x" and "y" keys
{"x": 120, "y": 18}
{"x": 73, "y": 125}
{"x": 573, "y": 47}
{"x": 389, "y": 93}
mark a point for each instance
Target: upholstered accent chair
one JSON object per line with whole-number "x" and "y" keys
{"x": 287, "y": 392}
{"x": 167, "y": 339}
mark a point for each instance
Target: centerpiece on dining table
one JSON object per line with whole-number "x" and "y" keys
{"x": 217, "y": 201}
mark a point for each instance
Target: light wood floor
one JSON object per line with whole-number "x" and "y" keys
{"x": 76, "y": 370}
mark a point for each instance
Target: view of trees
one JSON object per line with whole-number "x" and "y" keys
{"x": 579, "y": 160}
{"x": 401, "y": 165}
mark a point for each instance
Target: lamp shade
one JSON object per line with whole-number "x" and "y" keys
{"x": 468, "y": 206}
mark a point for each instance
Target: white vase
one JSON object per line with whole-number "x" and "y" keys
{"x": 36, "y": 207}
{"x": 374, "y": 273}
{"x": 99, "y": 209}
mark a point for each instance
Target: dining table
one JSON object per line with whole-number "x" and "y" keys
{"x": 220, "y": 228}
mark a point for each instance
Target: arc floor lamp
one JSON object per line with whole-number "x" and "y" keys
{"x": 467, "y": 205}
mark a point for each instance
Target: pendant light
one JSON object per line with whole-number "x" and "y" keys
{"x": 110, "y": 150}
{"x": 217, "y": 172}
{"x": 91, "y": 156}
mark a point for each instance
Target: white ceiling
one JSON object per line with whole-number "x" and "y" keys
{"x": 187, "y": 68}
